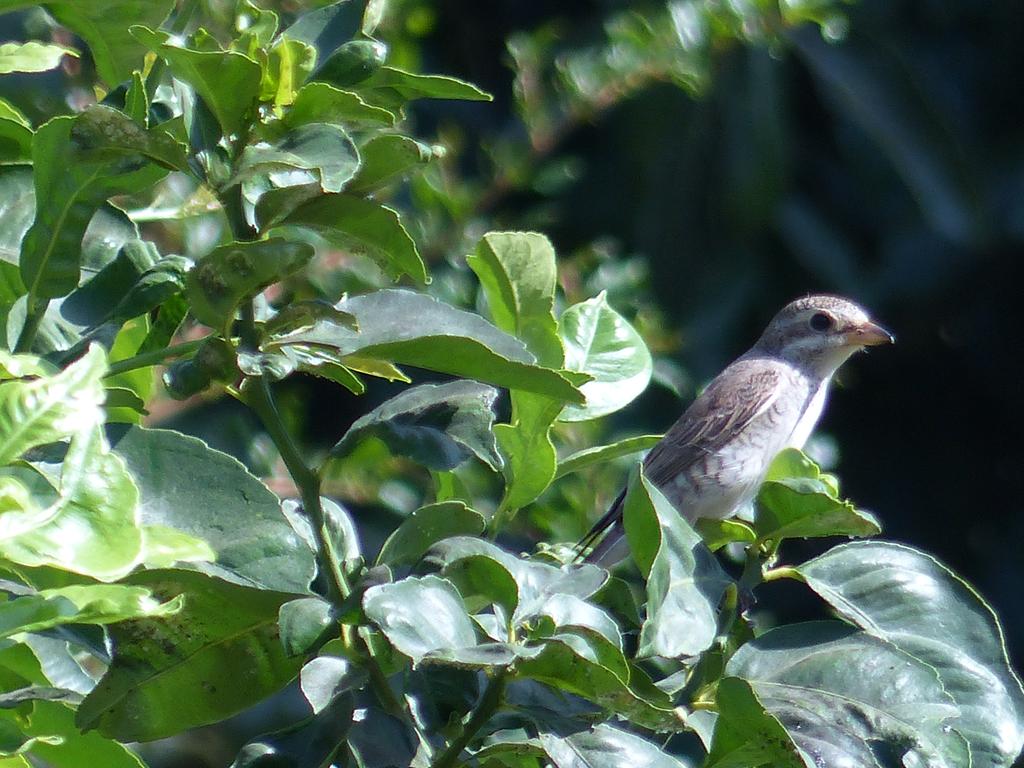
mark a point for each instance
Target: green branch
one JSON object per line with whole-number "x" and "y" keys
{"x": 489, "y": 703}
{"x": 155, "y": 357}
{"x": 36, "y": 310}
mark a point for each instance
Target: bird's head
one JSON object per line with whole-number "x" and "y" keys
{"x": 819, "y": 332}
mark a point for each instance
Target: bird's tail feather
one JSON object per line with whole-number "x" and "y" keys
{"x": 602, "y": 537}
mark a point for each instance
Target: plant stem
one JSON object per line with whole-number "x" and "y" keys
{"x": 489, "y": 703}
{"x": 155, "y": 357}
{"x": 36, "y": 310}
{"x": 782, "y": 572}
{"x": 260, "y": 399}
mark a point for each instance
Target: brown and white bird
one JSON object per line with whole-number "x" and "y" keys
{"x": 715, "y": 457}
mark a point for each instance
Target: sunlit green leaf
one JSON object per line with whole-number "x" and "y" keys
{"x": 226, "y": 81}
{"x": 589, "y": 457}
{"x": 259, "y": 545}
{"x": 215, "y": 657}
{"x": 605, "y": 746}
{"x": 907, "y": 598}
{"x": 227, "y": 275}
{"x": 443, "y": 339}
{"x": 821, "y": 682}
{"x": 365, "y": 227}
{"x": 386, "y": 158}
{"x": 684, "y": 580}
{"x": 598, "y": 341}
{"x": 437, "y": 425}
{"x": 425, "y": 527}
{"x": 323, "y": 103}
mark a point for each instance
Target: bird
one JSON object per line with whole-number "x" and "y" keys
{"x": 712, "y": 461}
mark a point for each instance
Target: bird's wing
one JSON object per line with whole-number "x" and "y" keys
{"x": 731, "y": 402}
{"x": 736, "y": 397}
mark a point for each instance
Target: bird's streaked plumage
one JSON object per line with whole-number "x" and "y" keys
{"x": 713, "y": 459}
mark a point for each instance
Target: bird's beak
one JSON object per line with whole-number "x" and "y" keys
{"x": 870, "y": 335}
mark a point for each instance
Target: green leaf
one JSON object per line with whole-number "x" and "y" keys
{"x": 71, "y": 184}
{"x": 907, "y": 598}
{"x": 806, "y": 505}
{"x": 289, "y": 63}
{"x": 322, "y": 148}
{"x": 303, "y": 622}
{"x": 684, "y": 580}
{"x": 437, "y": 425}
{"x": 534, "y": 582}
{"x": 605, "y": 746}
{"x": 76, "y": 749}
{"x": 32, "y": 56}
{"x": 103, "y": 25}
{"x": 363, "y": 226}
{"x": 323, "y": 103}
{"x": 326, "y": 676}
{"x": 598, "y": 341}
{"x": 259, "y": 545}
{"x": 745, "y": 734}
{"x": 80, "y": 604}
{"x": 589, "y": 457}
{"x": 227, "y": 82}
{"x": 518, "y": 274}
{"x": 93, "y": 527}
{"x": 442, "y": 339}
{"x": 17, "y": 209}
{"x": 38, "y": 411}
{"x": 845, "y": 697}
{"x": 530, "y": 456}
{"x": 164, "y": 547}
{"x": 352, "y": 62}
{"x": 559, "y": 663}
{"x": 387, "y": 158}
{"x": 15, "y": 143}
{"x": 421, "y": 617}
{"x": 217, "y": 656}
{"x": 427, "y": 526}
{"x": 110, "y": 132}
{"x": 391, "y": 88}
{"x": 718, "y": 533}
{"x": 227, "y": 275}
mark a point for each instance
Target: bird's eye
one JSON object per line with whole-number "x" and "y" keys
{"x": 821, "y": 322}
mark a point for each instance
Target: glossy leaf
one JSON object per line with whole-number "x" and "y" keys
{"x": 745, "y": 734}
{"x": 32, "y": 56}
{"x": 907, "y": 598}
{"x": 327, "y": 676}
{"x": 684, "y": 580}
{"x": 323, "y": 103}
{"x": 821, "y": 682}
{"x": 518, "y": 274}
{"x": 17, "y": 209}
{"x": 76, "y": 749}
{"x": 93, "y": 526}
{"x": 605, "y": 746}
{"x": 421, "y": 617}
{"x": 387, "y": 158}
{"x": 303, "y": 622}
{"x": 44, "y": 410}
{"x": 227, "y": 275}
{"x": 799, "y": 501}
{"x": 322, "y": 148}
{"x": 438, "y": 425}
{"x": 110, "y": 132}
{"x": 425, "y": 527}
{"x": 598, "y": 341}
{"x": 530, "y": 456}
{"x": 259, "y": 545}
{"x": 392, "y": 88}
{"x": 589, "y": 457}
{"x": 226, "y": 81}
{"x": 223, "y": 645}
{"x": 365, "y": 227}
{"x": 71, "y": 184}
{"x": 443, "y": 339}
